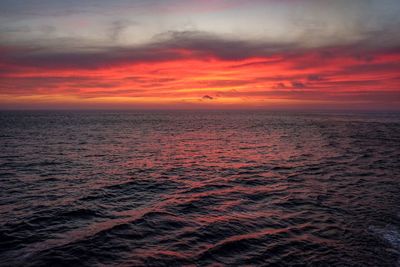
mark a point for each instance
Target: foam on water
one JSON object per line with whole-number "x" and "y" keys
{"x": 389, "y": 234}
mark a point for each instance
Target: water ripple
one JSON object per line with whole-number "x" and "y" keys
{"x": 199, "y": 189}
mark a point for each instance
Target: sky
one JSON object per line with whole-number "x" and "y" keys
{"x": 183, "y": 54}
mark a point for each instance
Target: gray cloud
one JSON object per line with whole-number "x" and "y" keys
{"x": 177, "y": 45}
{"x": 117, "y": 27}
{"x": 164, "y": 47}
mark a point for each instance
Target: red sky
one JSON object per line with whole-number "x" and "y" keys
{"x": 199, "y": 67}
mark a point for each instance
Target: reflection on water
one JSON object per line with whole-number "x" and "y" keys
{"x": 182, "y": 188}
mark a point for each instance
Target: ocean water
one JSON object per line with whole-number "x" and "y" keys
{"x": 199, "y": 188}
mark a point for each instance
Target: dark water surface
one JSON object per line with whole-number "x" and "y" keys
{"x": 199, "y": 188}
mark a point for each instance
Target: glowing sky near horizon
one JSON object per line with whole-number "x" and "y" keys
{"x": 213, "y": 54}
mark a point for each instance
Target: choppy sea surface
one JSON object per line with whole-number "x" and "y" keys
{"x": 199, "y": 188}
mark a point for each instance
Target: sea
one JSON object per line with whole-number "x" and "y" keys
{"x": 199, "y": 188}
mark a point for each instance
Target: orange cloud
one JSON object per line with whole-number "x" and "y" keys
{"x": 183, "y": 77}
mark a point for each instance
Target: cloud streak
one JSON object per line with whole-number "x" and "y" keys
{"x": 152, "y": 58}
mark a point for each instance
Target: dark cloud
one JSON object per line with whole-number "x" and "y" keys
{"x": 280, "y": 86}
{"x": 371, "y": 68}
{"x": 207, "y": 97}
{"x": 298, "y": 85}
{"x": 173, "y": 46}
{"x": 229, "y": 49}
{"x": 314, "y": 77}
{"x": 165, "y": 47}
{"x": 41, "y": 58}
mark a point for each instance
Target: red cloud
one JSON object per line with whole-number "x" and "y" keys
{"x": 185, "y": 69}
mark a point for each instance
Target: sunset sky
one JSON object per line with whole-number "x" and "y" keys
{"x": 338, "y": 54}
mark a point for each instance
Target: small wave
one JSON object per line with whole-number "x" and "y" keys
{"x": 165, "y": 189}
